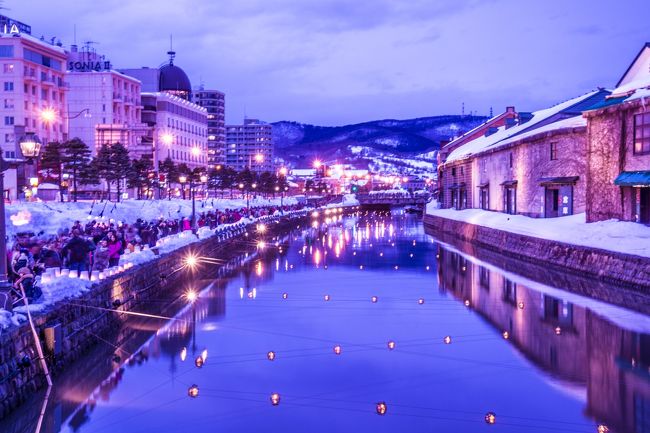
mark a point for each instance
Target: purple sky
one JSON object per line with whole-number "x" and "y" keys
{"x": 334, "y": 62}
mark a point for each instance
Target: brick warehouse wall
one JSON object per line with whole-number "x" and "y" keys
{"x": 81, "y": 326}
{"x": 627, "y": 270}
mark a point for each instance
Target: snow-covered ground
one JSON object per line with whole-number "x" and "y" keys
{"x": 51, "y": 217}
{"x": 612, "y": 235}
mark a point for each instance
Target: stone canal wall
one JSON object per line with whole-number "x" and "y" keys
{"x": 611, "y": 267}
{"x": 70, "y": 328}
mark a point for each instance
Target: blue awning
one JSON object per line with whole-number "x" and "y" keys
{"x": 633, "y": 178}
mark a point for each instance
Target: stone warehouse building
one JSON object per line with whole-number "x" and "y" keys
{"x": 534, "y": 164}
{"x": 618, "y": 154}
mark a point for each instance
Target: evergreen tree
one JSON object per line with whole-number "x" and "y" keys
{"x": 169, "y": 169}
{"x": 75, "y": 156}
{"x": 121, "y": 166}
{"x": 89, "y": 174}
{"x": 103, "y": 165}
{"x": 140, "y": 175}
{"x": 52, "y": 163}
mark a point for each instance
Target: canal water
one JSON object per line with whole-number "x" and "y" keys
{"x": 364, "y": 313}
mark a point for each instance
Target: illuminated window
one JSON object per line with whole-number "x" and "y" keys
{"x": 642, "y": 133}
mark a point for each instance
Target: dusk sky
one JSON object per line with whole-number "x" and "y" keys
{"x": 334, "y": 62}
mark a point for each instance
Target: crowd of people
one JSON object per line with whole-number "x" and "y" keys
{"x": 98, "y": 244}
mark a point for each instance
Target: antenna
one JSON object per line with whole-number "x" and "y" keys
{"x": 171, "y": 53}
{"x": 463, "y": 110}
{"x": 490, "y": 111}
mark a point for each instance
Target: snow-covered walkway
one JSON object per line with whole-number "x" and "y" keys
{"x": 612, "y": 235}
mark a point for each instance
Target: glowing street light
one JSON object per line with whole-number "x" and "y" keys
{"x": 259, "y": 158}
{"x": 167, "y": 139}
{"x": 283, "y": 171}
{"x": 317, "y": 164}
{"x": 48, "y": 115}
{"x": 191, "y": 296}
{"x": 261, "y": 228}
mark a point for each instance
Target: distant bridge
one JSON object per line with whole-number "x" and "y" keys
{"x": 392, "y": 199}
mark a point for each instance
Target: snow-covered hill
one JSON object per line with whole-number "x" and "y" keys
{"x": 398, "y": 143}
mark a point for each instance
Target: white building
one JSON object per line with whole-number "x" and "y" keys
{"x": 178, "y": 129}
{"x": 33, "y": 82}
{"x": 215, "y": 102}
{"x": 250, "y": 146}
{"x": 104, "y": 104}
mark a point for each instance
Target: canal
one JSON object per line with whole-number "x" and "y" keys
{"x": 353, "y": 315}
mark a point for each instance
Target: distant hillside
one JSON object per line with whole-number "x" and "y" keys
{"x": 297, "y": 142}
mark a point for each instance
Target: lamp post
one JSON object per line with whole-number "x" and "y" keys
{"x": 193, "y": 222}
{"x": 182, "y": 179}
{"x": 204, "y": 181}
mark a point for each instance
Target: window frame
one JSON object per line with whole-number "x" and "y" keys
{"x": 644, "y": 129}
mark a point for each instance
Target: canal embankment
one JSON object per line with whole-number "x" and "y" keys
{"x": 627, "y": 270}
{"x": 69, "y": 328}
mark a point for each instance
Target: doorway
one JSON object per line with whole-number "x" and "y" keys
{"x": 644, "y": 208}
{"x": 551, "y": 202}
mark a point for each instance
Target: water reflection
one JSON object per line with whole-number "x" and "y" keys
{"x": 343, "y": 314}
{"x": 606, "y": 364}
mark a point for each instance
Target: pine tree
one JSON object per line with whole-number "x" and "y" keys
{"x": 75, "y": 156}
{"x": 169, "y": 169}
{"x": 89, "y": 174}
{"x": 52, "y": 162}
{"x": 121, "y": 166}
{"x": 139, "y": 175}
{"x": 103, "y": 165}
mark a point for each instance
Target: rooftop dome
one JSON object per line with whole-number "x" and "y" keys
{"x": 174, "y": 80}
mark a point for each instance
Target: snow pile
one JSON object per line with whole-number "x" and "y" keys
{"x": 52, "y": 217}
{"x": 611, "y": 235}
{"x": 350, "y": 200}
{"x": 395, "y": 191}
{"x": 7, "y": 319}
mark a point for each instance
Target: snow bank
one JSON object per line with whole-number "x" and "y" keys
{"x": 611, "y": 235}
{"x": 52, "y": 217}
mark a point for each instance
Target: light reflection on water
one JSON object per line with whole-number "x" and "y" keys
{"x": 327, "y": 302}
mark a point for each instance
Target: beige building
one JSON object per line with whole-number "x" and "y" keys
{"x": 534, "y": 167}
{"x": 34, "y": 97}
{"x": 104, "y": 104}
{"x": 250, "y": 146}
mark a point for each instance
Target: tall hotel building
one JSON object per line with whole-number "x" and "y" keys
{"x": 104, "y": 104}
{"x": 214, "y": 101}
{"x": 33, "y": 80}
{"x": 178, "y": 128}
{"x": 250, "y": 146}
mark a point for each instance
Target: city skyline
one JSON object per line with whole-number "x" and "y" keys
{"x": 334, "y": 63}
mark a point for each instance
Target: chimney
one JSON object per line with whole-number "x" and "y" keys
{"x": 74, "y": 48}
{"x": 510, "y": 109}
{"x": 510, "y": 122}
{"x": 491, "y": 130}
{"x": 524, "y": 117}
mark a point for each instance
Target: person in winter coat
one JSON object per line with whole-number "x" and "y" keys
{"x": 186, "y": 224}
{"x": 76, "y": 251}
{"x": 114, "y": 248}
{"x": 26, "y": 280}
{"x": 101, "y": 258}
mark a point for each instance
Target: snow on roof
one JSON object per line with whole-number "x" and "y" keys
{"x": 473, "y": 130}
{"x": 484, "y": 143}
{"x": 571, "y": 122}
{"x": 303, "y": 172}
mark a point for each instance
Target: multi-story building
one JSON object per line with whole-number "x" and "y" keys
{"x": 214, "y": 101}
{"x": 34, "y": 94}
{"x": 618, "y": 153}
{"x": 178, "y": 128}
{"x": 104, "y": 104}
{"x": 250, "y": 146}
{"x": 535, "y": 166}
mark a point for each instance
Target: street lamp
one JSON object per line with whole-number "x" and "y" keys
{"x": 182, "y": 179}
{"x": 204, "y": 181}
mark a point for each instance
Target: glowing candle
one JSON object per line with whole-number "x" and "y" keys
{"x": 447, "y": 339}
{"x": 374, "y": 299}
{"x": 193, "y": 391}
{"x": 467, "y": 303}
{"x": 521, "y": 305}
{"x": 198, "y": 362}
{"x": 271, "y": 355}
{"x": 391, "y": 345}
{"x": 558, "y": 330}
{"x": 285, "y": 295}
{"x": 490, "y": 418}
{"x": 381, "y": 408}
{"x": 327, "y": 297}
{"x": 421, "y": 301}
{"x": 506, "y": 335}
{"x": 275, "y": 399}
{"x": 337, "y": 349}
